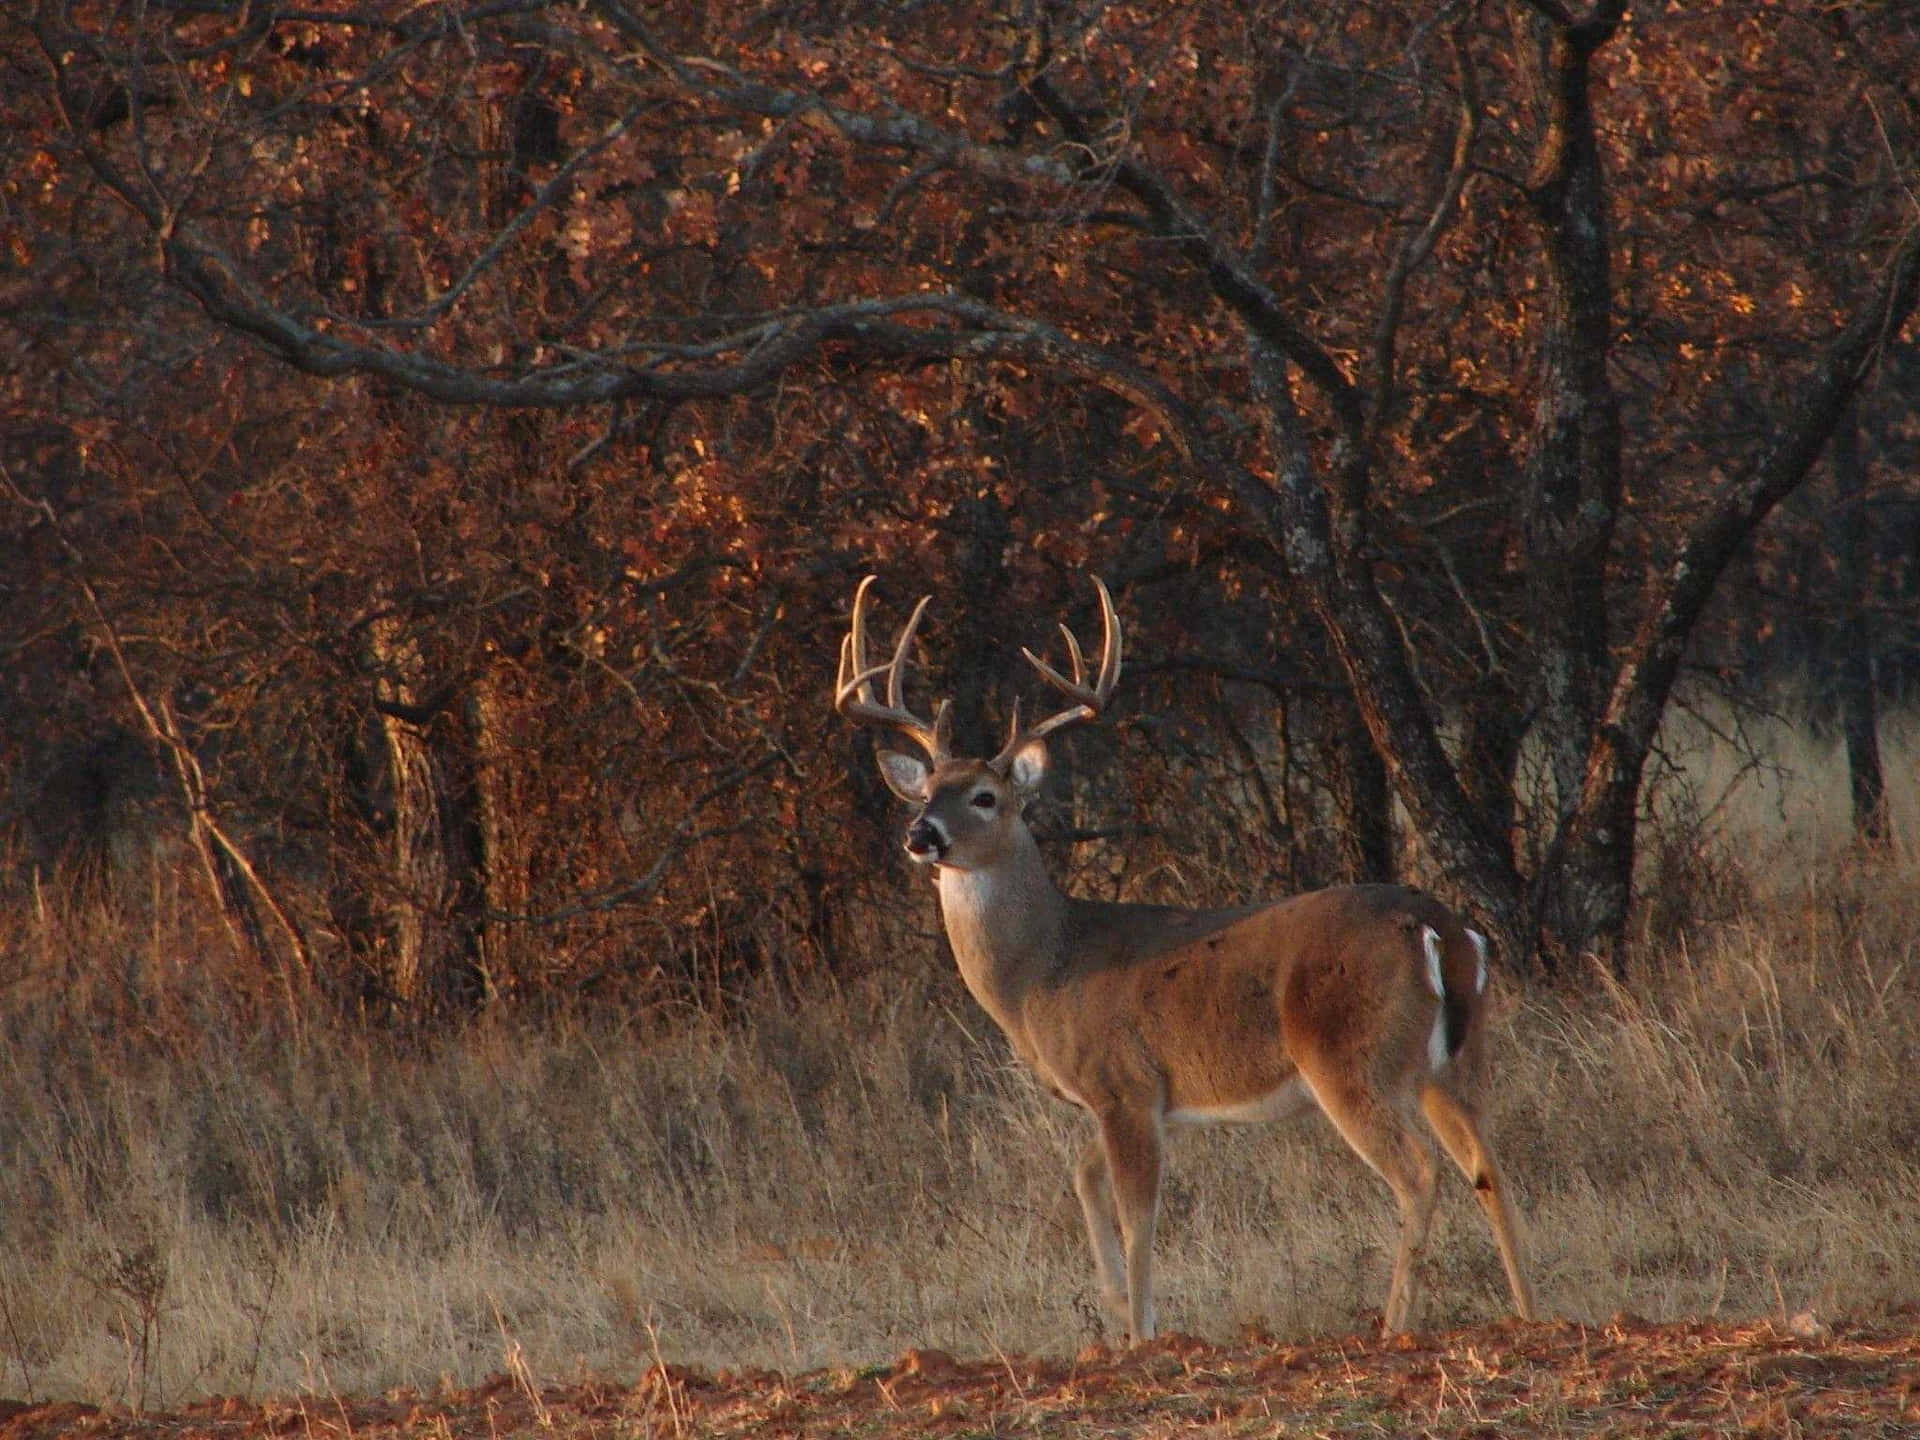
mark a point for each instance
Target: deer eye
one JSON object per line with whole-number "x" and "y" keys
{"x": 982, "y": 800}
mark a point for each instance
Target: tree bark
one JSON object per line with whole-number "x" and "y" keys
{"x": 1571, "y": 483}
{"x": 1859, "y": 702}
{"x": 1491, "y": 733}
{"x": 1365, "y": 795}
{"x": 1570, "y": 492}
{"x": 504, "y": 859}
{"x": 431, "y": 956}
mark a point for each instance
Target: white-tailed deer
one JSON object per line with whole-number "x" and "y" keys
{"x": 1365, "y": 1000}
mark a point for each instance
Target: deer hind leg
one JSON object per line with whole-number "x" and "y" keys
{"x": 1094, "y": 1185}
{"x": 1403, "y": 1156}
{"x": 1459, "y": 1131}
{"x": 1132, "y": 1153}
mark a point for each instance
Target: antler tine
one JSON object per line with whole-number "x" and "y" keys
{"x": 853, "y": 695}
{"x": 1075, "y": 686}
{"x": 896, "y": 685}
{"x": 1087, "y": 703}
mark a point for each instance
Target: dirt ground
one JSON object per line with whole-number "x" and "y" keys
{"x": 1625, "y": 1378}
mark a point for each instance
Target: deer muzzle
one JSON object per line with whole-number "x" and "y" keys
{"x": 927, "y": 841}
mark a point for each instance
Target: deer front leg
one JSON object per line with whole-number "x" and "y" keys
{"x": 1131, "y": 1143}
{"x": 1094, "y": 1185}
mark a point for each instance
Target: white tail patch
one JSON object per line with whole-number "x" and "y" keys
{"x": 1436, "y": 982}
{"x": 1480, "y": 970}
{"x": 1436, "y": 979}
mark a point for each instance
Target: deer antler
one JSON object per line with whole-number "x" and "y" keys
{"x": 1087, "y": 703}
{"x": 853, "y": 693}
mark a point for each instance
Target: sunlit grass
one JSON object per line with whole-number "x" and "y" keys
{"x": 192, "y": 1204}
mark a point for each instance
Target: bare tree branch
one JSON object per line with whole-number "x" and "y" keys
{"x": 898, "y": 129}
{"x": 1418, "y": 246}
{"x": 1644, "y": 684}
{"x": 1230, "y": 275}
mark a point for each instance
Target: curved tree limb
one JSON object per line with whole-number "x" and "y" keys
{"x": 1418, "y": 246}
{"x": 1646, "y": 680}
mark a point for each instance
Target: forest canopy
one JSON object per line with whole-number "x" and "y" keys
{"x": 442, "y": 440}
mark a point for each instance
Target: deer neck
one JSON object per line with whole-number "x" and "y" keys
{"x": 1006, "y": 924}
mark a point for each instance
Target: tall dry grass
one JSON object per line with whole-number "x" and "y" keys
{"x": 192, "y": 1203}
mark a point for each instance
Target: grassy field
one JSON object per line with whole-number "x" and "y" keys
{"x": 189, "y": 1207}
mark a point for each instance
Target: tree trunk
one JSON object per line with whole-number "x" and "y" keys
{"x": 1337, "y": 582}
{"x": 1571, "y": 483}
{"x": 1859, "y": 705}
{"x": 1571, "y": 492}
{"x": 504, "y": 859}
{"x": 1580, "y": 895}
{"x": 1596, "y": 844}
{"x": 1365, "y": 796}
{"x": 429, "y": 958}
{"x": 1491, "y": 733}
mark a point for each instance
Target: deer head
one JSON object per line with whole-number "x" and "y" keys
{"x": 967, "y": 811}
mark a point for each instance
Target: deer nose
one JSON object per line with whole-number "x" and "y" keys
{"x": 925, "y": 840}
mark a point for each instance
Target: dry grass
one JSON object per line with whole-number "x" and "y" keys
{"x": 1736, "y": 1134}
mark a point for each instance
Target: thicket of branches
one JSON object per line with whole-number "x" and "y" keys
{"x": 441, "y": 440}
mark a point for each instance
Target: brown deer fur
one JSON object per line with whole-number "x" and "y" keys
{"x": 1366, "y": 1001}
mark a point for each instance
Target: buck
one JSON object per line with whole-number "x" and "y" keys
{"x": 1365, "y": 1000}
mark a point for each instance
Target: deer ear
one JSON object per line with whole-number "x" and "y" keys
{"x": 1028, "y": 767}
{"x": 906, "y": 775}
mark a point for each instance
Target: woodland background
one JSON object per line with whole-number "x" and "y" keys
{"x": 441, "y": 441}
